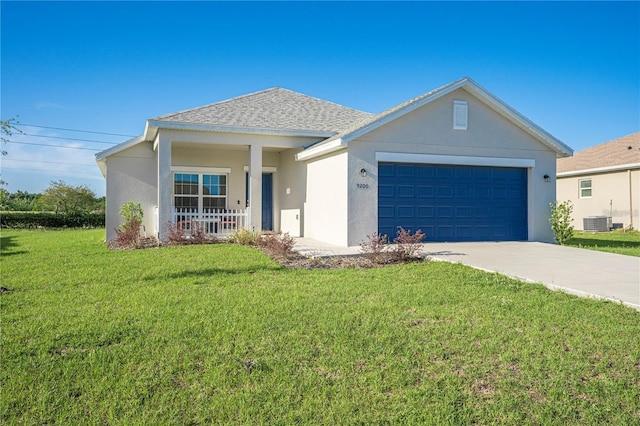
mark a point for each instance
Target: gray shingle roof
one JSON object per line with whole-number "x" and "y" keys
{"x": 276, "y": 108}
{"x": 624, "y": 150}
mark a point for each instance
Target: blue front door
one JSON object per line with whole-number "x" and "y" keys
{"x": 267, "y": 199}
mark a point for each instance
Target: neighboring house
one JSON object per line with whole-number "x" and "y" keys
{"x": 603, "y": 180}
{"x": 457, "y": 163}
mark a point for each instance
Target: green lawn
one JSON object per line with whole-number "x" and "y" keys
{"x": 614, "y": 242}
{"x": 160, "y": 336}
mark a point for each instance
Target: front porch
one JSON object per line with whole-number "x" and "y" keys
{"x": 218, "y": 223}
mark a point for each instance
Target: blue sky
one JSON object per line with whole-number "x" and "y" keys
{"x": 571, "y": 67}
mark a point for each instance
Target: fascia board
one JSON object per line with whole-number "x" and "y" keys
{"x": 618, "y": 168}
{"x": 102, "y": 165}
{"x": 323, "y": 149}
{"x": 561, "y": 149}
{"x": 120, "y": 147}
{"x": 228, "y": 129}
{"x": 400, "y": 112}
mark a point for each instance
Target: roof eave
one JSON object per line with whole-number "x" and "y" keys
{"x": 561, "y": 149}
{"x": 597, "y": 170}
{"x": 155, "y": 125}
{"x": 316, "y": 151}
{"x": 120, "y": 147}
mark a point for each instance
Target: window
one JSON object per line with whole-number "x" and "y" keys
{"x": 460, "y": 115}
{"x": 199, "y": 191}
{"x": 585, "y": 188}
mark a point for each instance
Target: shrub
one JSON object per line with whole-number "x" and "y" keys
{"x": 560, "y": 221}
{"x": 375, "y": 248}
{"x": 277, "y": 245}
{"x": 407, "y": 246}
{"x": 27, "y": 220}
{"x": 244, "y": 237}
{"x": 176, "y": 233}
{"x": 128, "y": 234}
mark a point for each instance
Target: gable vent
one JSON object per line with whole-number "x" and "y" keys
{"x": 460, "y": 115}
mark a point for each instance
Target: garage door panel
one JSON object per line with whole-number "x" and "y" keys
{"x": 445, "y": 192}
{"x": 425, "y": 191}
{"x": 406, "y": 191}
{"x": 453, "y": 203}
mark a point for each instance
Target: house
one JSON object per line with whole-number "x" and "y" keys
{"x": 457, "y": 163}
{"x": 604, "y": 181}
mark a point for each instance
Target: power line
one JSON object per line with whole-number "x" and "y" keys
{"x": 69, "y": 139}
{"x": 48, "y": 162}
{"x": 74, "y": 130}
{"x": 53, "y": 146}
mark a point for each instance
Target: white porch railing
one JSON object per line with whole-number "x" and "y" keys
{"x": 212, "y": 222}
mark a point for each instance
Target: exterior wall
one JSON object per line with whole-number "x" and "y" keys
{"x": 606, "y": 187}
{"x": 429, "y": 130}
{"x": 325, "y": 210}
{"x": 132, "y": 176}
{"x": 291, "y": 193}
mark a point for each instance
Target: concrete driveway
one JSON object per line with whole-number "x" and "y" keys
{"x": 577, "y": 271}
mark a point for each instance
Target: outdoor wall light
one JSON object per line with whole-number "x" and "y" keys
{"x": 363, "y": 173}
{"x": 547, "y": 178}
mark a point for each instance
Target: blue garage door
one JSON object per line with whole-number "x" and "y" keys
{"x": 453, "y": 203}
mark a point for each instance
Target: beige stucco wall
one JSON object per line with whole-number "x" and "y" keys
{"x": 131, "y": 176}
{"x": 325, "y": 211}
{"x": 429, "y": 130}
{"x": 291, "y": 193}
{"x": 614, "y": 186}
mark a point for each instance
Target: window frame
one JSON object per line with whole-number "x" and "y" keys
{"x": 589, "y": 188}
{"x": 201, "y": 172}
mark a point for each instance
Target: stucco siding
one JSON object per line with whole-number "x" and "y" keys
{"x": 429, "y": 130}
{"x": 291, "y": 193}
{"x": 325, "y": 211}
{"x": 611, "y": 187}
{"x": 131, "y": 176}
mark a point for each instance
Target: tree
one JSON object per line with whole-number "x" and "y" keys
{"x": 8, "y": 127}
{"x": 560, "y": 221}
{"x": 68, "y": 199}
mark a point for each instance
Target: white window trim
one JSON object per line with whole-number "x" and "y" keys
{"x": 200, "y": 171}
{"x": 580, "y": 188}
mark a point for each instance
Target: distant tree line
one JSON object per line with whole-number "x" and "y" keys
{"x": 60, "y": 205}
{"x": 59, "y": 198}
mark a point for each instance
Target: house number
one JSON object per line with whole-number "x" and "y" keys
{"x": 362, "y": 185}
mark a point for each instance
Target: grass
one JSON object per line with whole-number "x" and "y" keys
{"x": 619, "y": 242}
{"x": 221, "y": 334}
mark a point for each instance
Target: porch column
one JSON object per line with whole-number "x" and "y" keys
{"x": 255, "y": 186}
{"x": 164, "y": 186}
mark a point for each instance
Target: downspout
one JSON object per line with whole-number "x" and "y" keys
{"x": 630, "y": 200}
